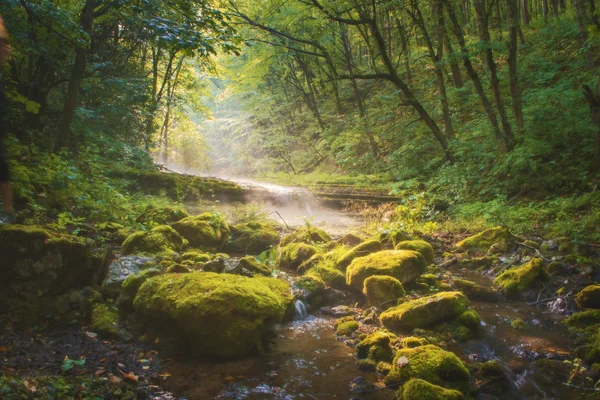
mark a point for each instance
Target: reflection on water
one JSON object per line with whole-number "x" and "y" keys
{"x": 306, "y": 362}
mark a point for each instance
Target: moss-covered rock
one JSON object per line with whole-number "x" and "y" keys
{"x": 430, "y": 363}
{"x": 178, "y": 269}
{"x": 35, "y": 260}
{"x": 419, "y": 246}
{"x": 391, "y": 238}
{"x": 350, "y": 240}
{"x": 519, "y": 324}
{"x": 519, "y": 279}
{"x": 363, "y": 249}
{"x": 492, "y": 381}
{"x": 162, "y": 240}
{"x": 589, "y": 297}
{"x": 428, "y": 279}
{"x": 410, "y": 342}
{"x": 556, "y": 268}
{"x": 196, "y": 257}
{"x": 484, "y": 240}
{"x": 207, "y": 230}
{"x": 404, "y": 265}
{"x": 222, "y": 315}
{"x": 418, "y": 389}
{"x": 584, "y": 320}
{"x": 104, "y": 320}
{"x": 347, "y": 328}
{"x": 294, "y": 254}
{"x": 310, "y": 235}
{"x": 378, "y": 346}
{"x": 131, "y": 285}
{"x": 311, "y": 262}
{"x": 162, "y": 215}
{"x": 254, "y": 266}
{"x": 476, "y": 292}
{"x": 252, "y": 237}
{"x": 381, "y": 290}
{"x": 119, "y": 270}
{"x": 425, "y": 311}
{"x": 327, "y": 272}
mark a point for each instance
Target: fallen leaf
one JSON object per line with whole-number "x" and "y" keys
{"x": 100, "y": 372}
{"x": 115, "y": 380}
{"x": 3, "y": 349}
{"x": 165, "y": 375}
{"x": 145, "y": 367}
{"x": 156, "y": 340}
{"x": 91, "y": 335}
{"x": 29, "y": 387}
{"x": 229, "y": 379}
{"x": 129, "y": 376}
{"x": 120, "y": 365}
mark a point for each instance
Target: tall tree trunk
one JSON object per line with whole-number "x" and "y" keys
{"x": 595, "y": 18}
{"x": 525, "y": 12}
{"x": 580, "y": 13}
{"x": 484, "y": 35}
{"x": 454, "y": 67}
{"x": 594, "y": 101}
{"x": 81, "y": 52}
{"x": 487, "y": 106}
{"x": 515, "y": 90}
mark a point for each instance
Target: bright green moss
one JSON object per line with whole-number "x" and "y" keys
{"x": 419, "y": 246}
{"x": 381, "y": 290}
{"x": 254, "y": 266}
{"x": 162, "y": 240}
{"x": 311, "y": 262}
{"x": 104, "y": 320}
{"x": 430, "y": 363}
{"x": 584, "y": 320}
{"x": 478, "y": 263}
{"x": 378, "y": 346}
{"x": 404, "y": 265}
{"x": 518, "y": 279}
{"x": 294, "y": 254}
{"x": 392, "y": 237}
{"x": 589, "y": 297}
{"x": 484, "y": 240}
{"x": 469, "y": 319}
{"x": 418, "y": 389}
{"x": 425, "y": 311}
{"x": 327, "y": 272}
{"x": 366, "y": 364}
{"x": 196, "y": 256}
{"x": 519, "y": 324}
{"x": 410, "y": 342}
{"x": 347, "y": 328}
{"x": 363, "y": 249}
{"x": 383, "y": 368}
{"x": 131, "y": 285}
{"x": 310, "y": 235}
{"x": 252, "y": 237}
{"x": 208, "y": 230}
{"x": 178, "y": 269}
{"x": 428, "y": 279}
{"x": 223, "y": 315}
{"x": 162, "y": 215}
{"x": 310, "y": 283}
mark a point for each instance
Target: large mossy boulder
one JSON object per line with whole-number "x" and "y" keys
{"x": 310, "y": 235}
{"x": 294, "y": 254}
{"x": 382, "y": 290}
{"x": 418, "y": 389}
{"x": 484, "y": 240}
{"x": 363, "y": 249}
{"x": 220, "y": 315}
{"x": 253, "y": 265}
{"x": 404, "y": 265}
{"x": 35, "y": 260}
{"x": 327, "y": 272}
{"x": 589, "y": 297}
{"x": 207, "y": 230}
{"x": 425, "y": 311}
{"x": 429, "y": 363}
{"x": 528, "y": 276}
{"x": 162, "y": 215}
{"x": 419, "y": 246}
{"x": 120, "y": 269}
{"x": 131, "y": 284}
{"x": 391, "y": 238}
{"x": 161, "y": 241}
{"x": 252, "y": 237}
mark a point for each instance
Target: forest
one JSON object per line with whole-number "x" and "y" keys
{"x": 205, "y": 189}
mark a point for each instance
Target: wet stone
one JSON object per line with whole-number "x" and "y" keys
{"x": 361, "y": 385}
{"x": 119, "y": 270}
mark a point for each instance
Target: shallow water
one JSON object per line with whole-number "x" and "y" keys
{"x": 306, "y": 362}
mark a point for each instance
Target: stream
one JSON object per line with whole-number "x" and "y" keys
{"x": 307, "y": 361}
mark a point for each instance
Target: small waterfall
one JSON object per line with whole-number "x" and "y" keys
{"x": 301, "y": 311}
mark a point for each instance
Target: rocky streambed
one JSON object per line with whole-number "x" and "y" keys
{"x": 198, "y": 307}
